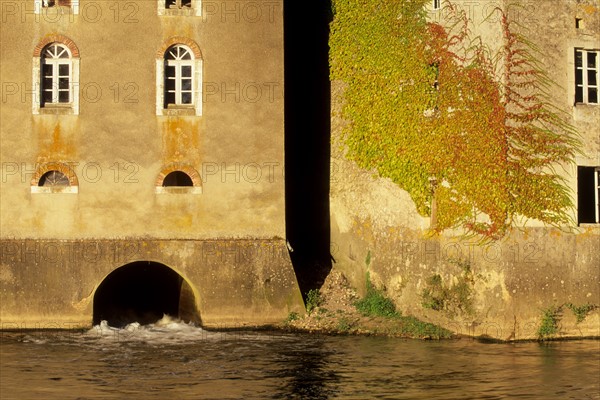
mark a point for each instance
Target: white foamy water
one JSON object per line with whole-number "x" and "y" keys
{"x": 167, "y": 330}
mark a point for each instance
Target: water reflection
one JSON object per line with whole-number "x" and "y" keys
{"x": 309, "y": 371}
{"x": 177, "y": 361}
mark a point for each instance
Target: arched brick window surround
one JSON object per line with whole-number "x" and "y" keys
{"x": 179, "y": 40}
{"x": 54, "y": 166}
{"x": 56, "y": 38}
{"x": 186, "y": 168}
{"x": 42, "y": 169}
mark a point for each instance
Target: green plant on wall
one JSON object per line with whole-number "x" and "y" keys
{"x": 314, "y": 299}
{"x": 376, "y": 303}
{"x": 581, "y": 312}
{"x": 549, "y": 324}
{"x": 429, "y": 105}
{"x": 292, "y": 316}
{"x": 453, "y": 299}
{"x": 434, "y": 295}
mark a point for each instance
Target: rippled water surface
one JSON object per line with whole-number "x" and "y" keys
{"x": 175, "y": 361}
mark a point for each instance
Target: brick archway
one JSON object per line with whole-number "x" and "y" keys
{"x": 56, "y": 38}
{"x": 54, "y": 166}
{"x": 186, "y": 168}
{"x": 179, "y": 40}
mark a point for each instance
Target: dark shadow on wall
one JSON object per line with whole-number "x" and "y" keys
{"x": 307, "y": 138}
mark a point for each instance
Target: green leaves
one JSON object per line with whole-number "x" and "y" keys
{"x": 429, "y": 103}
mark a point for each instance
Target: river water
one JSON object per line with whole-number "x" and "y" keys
{"x": 171, "y": 360}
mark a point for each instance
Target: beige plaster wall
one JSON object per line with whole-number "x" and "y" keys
{"x": 117, "y": 146}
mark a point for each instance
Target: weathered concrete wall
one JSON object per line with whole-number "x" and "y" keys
{"x": 376, "y": 229}
{"x": 499, "y": 289}
{"x": 236, "y": 283}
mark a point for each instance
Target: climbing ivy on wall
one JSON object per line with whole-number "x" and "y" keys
{"x": 432, "y": 109}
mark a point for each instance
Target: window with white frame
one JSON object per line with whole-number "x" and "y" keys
{"x": 180, "y": 86}
{"x": 180, "y": 7}
{"x": 588, "y": 195}
{"x": 179, "y": 76}
{"x": 42, "y": 5}
{"x": 178, "y": 4}
{"x": 437, "y": 4}
{"x": 586, "y": 76}
{"x": 56, "y": 75}
{"x": 55, "y": 80}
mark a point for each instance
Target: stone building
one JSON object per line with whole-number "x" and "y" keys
{"x": 142, "y": 163}
{"x": 142, "y": 172}
{"x": 536, "y": 270}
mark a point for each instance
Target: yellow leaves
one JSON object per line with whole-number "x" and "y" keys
{"x": 479, "y": 133}
{"x": 591, "y": 9}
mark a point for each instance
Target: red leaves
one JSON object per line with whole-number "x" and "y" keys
{"x": 447, "y": 112}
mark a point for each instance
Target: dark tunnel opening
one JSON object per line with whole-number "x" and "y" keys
{"x": 143, "y": 292}
{"x": 307, "y": 139}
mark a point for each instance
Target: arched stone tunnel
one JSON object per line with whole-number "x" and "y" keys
{"x": 143, "y": 292}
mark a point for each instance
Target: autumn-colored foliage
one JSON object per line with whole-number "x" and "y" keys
{"x": 431, "y": 108}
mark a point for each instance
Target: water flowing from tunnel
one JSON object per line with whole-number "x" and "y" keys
{"x": 173, "y": 359}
